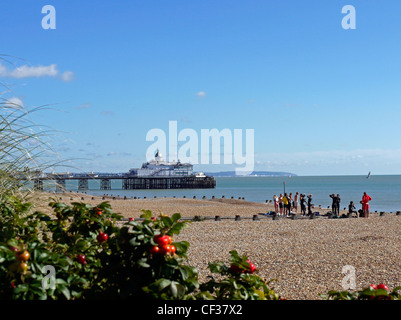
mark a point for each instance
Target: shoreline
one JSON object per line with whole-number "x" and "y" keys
{"x": 130, "y": 207}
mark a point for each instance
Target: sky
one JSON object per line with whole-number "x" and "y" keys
{"x": 321, "y": 99}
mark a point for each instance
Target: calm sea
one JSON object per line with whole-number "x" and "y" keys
{"x": 385, "y": 190}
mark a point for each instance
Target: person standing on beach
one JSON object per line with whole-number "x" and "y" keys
{"x": 333, "y": 203}
{"x": 310, "y": 205}
{"x": 280, "y": 204}
{"x": 338, "y": 199}
{"x": 275, "y": 201}
{"x": 303, "y": 204}
{"x": 365, "y": 204}
{"x": 296, "y": 201}
{"x": 335, "y": 206}
{"x": 286, "y": 202}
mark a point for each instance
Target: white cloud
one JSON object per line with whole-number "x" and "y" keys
{"x": 14, "y": 103}
{"x": 67, "y": 76}
{"x": 201, "y": 94}
{"x": 40, "y": 71}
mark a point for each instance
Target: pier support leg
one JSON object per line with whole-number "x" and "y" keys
{"x": 60, "y": 185}
{"x": 105, "y": 184}
{"x": 38, "y": 185}
{"x": 83, "y": 184}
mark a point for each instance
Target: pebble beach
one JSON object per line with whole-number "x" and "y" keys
{"x": 305, "y": 256}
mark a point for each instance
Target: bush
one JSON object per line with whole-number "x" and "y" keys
{"x": 238, "y": 282}
{"x": 95, "y": 255}
{"x": 372, "y": 292}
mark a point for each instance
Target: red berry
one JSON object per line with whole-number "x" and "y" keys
{"x": 22, "y": 256}
{"x": 131, "y": 219}
{"x": 81, "y": 259}
{"x": 173, "y": 249}
{"x": 162, "y": 240}
{"x": 252, "y": 268}
{"x": 373, "y": 286}
{"x": 382, "y": 286}
{"x": 165, "y": 249}
{"x": 154, "y": 250}
{"x": 102, "y": 237}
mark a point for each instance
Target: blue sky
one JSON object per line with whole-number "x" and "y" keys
{"x": 322, "y": 100}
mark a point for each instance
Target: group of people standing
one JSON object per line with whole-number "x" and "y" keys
{"x": 285, "y": 204}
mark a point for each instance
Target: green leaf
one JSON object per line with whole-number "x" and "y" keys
{"x": 147, "y": 214}
{"x": 176, "y": 228}
{"x": 176, "y": 217}
{"x": 184, "y": 273}
{"x": 64, "y": 290}
{"x": 381, "y": 292}
{"x": 181, "y": 247}
{"x": 163, "y": 283}
{"x": 143, "y": 263}
{"x": 21, "y": 288}
{"x": 167, "y": 222}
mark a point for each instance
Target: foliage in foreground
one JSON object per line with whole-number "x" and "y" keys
{"x": 86, "y": 252}
{"x": 372, "y": 292}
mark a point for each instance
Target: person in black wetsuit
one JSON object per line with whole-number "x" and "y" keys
{"x": 335, "y": 206}
{"x": 338, "y": 200}
{"x": 309, "y": 205}
{"x": 352, "y": 209}
{"x": 333, "y": 202}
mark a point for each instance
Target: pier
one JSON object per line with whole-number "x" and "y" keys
{"x": 129, "y": 182}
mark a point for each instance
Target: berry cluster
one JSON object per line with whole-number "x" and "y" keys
{"x": 164, "y": 246}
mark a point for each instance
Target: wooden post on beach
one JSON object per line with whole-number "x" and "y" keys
{"x": 398, "y": 213}
{"x": 381, "y": 213}
{"x": 217, "y": 218}
{"x": 237, "y": 218}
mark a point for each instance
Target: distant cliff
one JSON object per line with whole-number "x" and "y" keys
{"x": 254, "y": 173}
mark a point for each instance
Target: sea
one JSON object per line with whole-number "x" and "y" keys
{"x": 385, "y": 190}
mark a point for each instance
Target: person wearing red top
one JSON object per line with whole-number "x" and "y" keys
{"x": 365, "y": 204}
